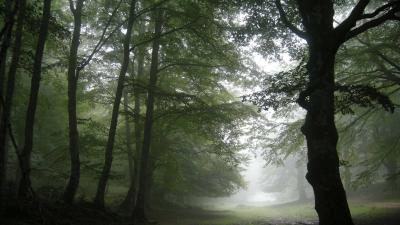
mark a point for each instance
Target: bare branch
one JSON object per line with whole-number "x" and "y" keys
{"x": 102, "y": 40}
{"x": 390, "y": 15}
{"x": 287, "y": 23}
{"x": 351, "y": 20}
{"x": 379, "y": 10}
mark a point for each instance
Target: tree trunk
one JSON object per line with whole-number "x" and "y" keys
{"x": 73, "y": 73}
{"x": 9, "y": 21}
{"x": 321, "y": 134}
{"x": 392, "y": 171}
{"x": 129, "y": 199}
{"x": 300, "y": 182}
{"x": 139, "y": 210}
{"x": 99, "y": 199}
{"x": 25, "y": 190}
{"x": 319, "y": 128}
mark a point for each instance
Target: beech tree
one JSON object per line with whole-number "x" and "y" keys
{"x": 313, "y": 21}
{"x": 25, "y": 189}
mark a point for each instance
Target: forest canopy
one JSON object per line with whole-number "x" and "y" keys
{"x": 151, "y": 103}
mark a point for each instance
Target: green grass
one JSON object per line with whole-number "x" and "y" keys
{"x": 249, "y": 215}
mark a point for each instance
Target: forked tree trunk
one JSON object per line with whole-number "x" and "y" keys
{"x": 25, "y": 182}
{"x": 319, "y": 128}
{"x": 101, "y": 188}
{"x": 139, "y": 214}
{"x": 73, "y": 73}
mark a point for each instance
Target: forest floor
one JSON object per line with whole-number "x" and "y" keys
{"x": 385, "y": 212}
{"x": 365, "y": 212}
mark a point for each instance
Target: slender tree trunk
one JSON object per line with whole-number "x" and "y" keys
{"x": 392, "y": 171}
{"x": 347, "y": 172}
{"x": 99, "y": 199}
{"x": 300, "y": 182}
{"x": 139, "y": 210}
{"x": 7, "y": 31}
{"x": 25, "y": 182}
{"x": 128, "y": 201}
{"x": 73, "y": 73}
{"x": 5, "y": 119}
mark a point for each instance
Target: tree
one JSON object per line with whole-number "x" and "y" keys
{"x": 99, "y": 199}
{"x": 324, "y": 40}
{"x": 139, "y": 209}
{"x": 25, "y": 190}
{"x": 73, "y": 74}
{"x": 8, "y": 99}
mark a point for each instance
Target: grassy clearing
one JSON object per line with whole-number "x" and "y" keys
{"x": 282, "y": 214}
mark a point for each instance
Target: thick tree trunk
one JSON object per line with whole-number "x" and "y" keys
{"x": 73, "y": 73}
{"x": 321, "y": 134}
{"x": 101, "y": 188}
{"x": 139, "y": 210}
{"x": 319, "y": 128}
{"x": 25, "y": 182}
{"x": 5, "y": 43}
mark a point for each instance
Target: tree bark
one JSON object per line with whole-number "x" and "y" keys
{"x": 319, "y": 128}
{"x": 73, "y": 73}
{"x": 139, "y": 210}
{"x": 99, "y": 199}
{"x": 25, "y": 189}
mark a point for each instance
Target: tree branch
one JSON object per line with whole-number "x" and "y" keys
{"x": 287, "y": 23}
{"x": 72, "y": 7}
{"x": 351, "y": 20}
{"x": 390, "y": 15}
{"x": 102, "y": 40}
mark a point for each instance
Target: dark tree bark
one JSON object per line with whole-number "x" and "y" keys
{"x": 25, "y": 189}
{"x": 73, "y": 76}
{"x": 6, "y": 39}
{"x": 139, "y": 210}
{"x": 101, "y": 188}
